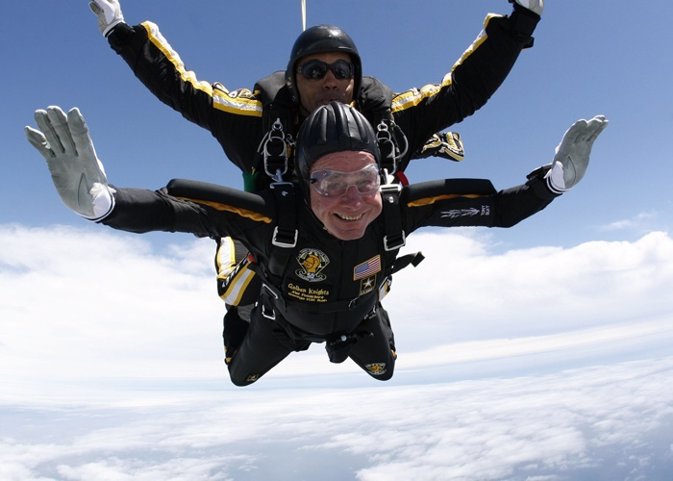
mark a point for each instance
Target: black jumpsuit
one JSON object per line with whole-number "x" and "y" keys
{"x": 329, "y": 287}
{"x": 235, "y": 118}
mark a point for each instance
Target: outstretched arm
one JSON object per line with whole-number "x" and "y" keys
{"x": 64, "y": 142}
{"x": 234, "y": 118}
{"x": 570, "y": 163}
{"x": 472, "y": 79}
{"x": 202, "y": 209}
{"x": 474, "y": 202}
{"x": 78, "y": 175}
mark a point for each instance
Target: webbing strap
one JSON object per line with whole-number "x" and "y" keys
{"x": 394, "y": 237}
{"x": 402, "y": 262}
{"x": 285, "y": 233}
{"x": 275, "y": 299}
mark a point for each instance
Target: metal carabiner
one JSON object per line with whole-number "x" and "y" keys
{"x": 384, "y": 139}
{"x": 275, "y": 146}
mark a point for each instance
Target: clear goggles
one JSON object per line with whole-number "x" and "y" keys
{"x": 317, "y": 69}
{"x": 333, "y": 183}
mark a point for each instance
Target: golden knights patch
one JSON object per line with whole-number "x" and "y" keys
{"x": 312, "y": 262}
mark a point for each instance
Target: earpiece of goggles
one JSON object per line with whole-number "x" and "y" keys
{"x": 317, "y": 69}
{"x": 333, "y": 183}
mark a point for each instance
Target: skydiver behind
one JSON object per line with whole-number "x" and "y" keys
{"x": 324, "y": 66}
{"x": 256, "y": 128}
{"x": 328, "y": 286}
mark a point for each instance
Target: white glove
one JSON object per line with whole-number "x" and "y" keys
{"x": 572, "y": 154}
{"x": 535, "y": 6}
{"x": 77, "y": 173}
{"x": 109, "y": 14}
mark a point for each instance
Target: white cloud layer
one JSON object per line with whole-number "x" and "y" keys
{"x": 544, "y": 364}
{"x": 596, "y": 423}
{"x": 90, "y": 306}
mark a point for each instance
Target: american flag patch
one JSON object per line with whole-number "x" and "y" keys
{"x": 367, "y": 268}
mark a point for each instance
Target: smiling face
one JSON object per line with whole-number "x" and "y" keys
{"x": 346, "y": 216}
{"x": 316, "y": 92}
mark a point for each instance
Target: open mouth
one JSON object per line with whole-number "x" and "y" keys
{"x": 349, "y": 218}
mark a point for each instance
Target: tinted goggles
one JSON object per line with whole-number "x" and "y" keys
{"x": 333, "y": 183}
{"x": 317, "y": 69}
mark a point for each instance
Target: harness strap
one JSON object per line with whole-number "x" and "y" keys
{"x": 285, "y": 233}
{"x": 273, "y": 307}
{"x": 394, "y": 237}
{"x": 272, "y": 294}
{"x": 278, "y": 121}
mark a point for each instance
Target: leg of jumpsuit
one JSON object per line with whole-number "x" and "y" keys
{"x": 376, "y": 353}
{"x": 265, "y": 344}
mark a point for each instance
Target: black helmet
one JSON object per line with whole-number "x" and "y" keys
{"x": 335, "y": 127}
{"x": 322, "y": 39}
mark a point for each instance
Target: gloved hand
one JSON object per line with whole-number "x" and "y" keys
{"x": 572, "y": 154}
{"x": 77, "y": 173}
{"x": 535, "y": 6}
{"x": 109, "y": 14}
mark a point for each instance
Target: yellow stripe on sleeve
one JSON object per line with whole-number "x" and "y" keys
{"x": 248, "y": 214}
{"x": 413, "y": 97}
{"x": 222, "y": 99}
{"x": 431, "y": 200}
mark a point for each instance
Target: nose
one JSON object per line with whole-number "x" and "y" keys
{"x": 352, "y": 194}
{"x": 329, "y": 80}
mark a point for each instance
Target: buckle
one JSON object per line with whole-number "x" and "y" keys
{"x": 281, "y": 184}
{"x": 270, "y": 290}
{"x": 269, "y": 314}
{"x": 395, "y": 243}
{"x": 390, "y": 188}
{"x": 283, "y": 242}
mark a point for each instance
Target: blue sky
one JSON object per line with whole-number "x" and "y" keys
{"x": 539, "y": 353}
{"x": 590, "y": 58}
